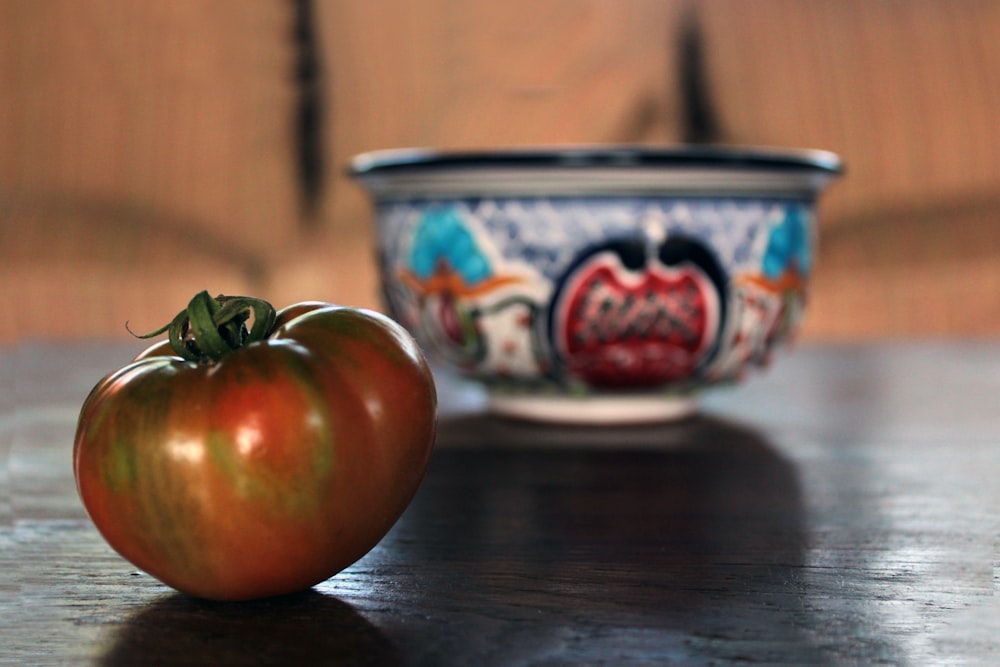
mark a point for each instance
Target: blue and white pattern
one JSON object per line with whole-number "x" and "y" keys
{"x": 475, "y": 278}
{"x": 549, "y": 233}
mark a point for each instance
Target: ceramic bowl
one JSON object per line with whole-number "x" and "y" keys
{"x": 603, "y": 284}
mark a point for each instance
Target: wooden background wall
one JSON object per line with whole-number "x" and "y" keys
{"x": 151, "y": 149}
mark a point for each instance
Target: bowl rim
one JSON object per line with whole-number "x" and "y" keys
{"x": 587, "y": 157}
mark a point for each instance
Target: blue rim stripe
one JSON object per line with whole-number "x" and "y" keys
{"x": 600, "y": 157}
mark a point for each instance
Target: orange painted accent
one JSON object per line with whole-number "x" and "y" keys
{"x": 789, "y": 281}
{"x": 447, "y": 280}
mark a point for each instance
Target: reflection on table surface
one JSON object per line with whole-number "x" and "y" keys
{"x": 839, "y": 509}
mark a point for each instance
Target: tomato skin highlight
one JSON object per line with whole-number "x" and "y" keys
{"x": 267, "y": 471}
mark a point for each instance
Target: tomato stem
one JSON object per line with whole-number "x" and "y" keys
{"x": 210, "y": 328}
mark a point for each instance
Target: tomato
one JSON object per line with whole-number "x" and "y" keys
{"x": 262, "y": 464}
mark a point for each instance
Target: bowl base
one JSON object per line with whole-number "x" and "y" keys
{"x": 609, "y": 410}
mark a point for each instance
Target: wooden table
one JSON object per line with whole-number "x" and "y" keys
{"x": 840, "y": 509}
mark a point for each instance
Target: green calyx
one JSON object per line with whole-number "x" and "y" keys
{"x": 210, "y": 328}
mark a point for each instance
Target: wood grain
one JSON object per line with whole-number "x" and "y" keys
{"x": 150, "y": 150}
{"x": 838, "y": 510}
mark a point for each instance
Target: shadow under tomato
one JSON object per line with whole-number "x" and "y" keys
{"x": 307, "y": 628}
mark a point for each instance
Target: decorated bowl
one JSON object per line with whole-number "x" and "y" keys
{"x": 601, "y": 284}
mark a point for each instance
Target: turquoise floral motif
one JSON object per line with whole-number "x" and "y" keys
{"x": 788, "y": 246}
{"x": 469, "y": 307}
{"x": 442, "y": 237}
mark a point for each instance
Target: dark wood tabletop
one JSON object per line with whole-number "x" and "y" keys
{"x": 841, "y": 508}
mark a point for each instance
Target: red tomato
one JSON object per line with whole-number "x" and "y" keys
{"x": 264, "y": 471}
